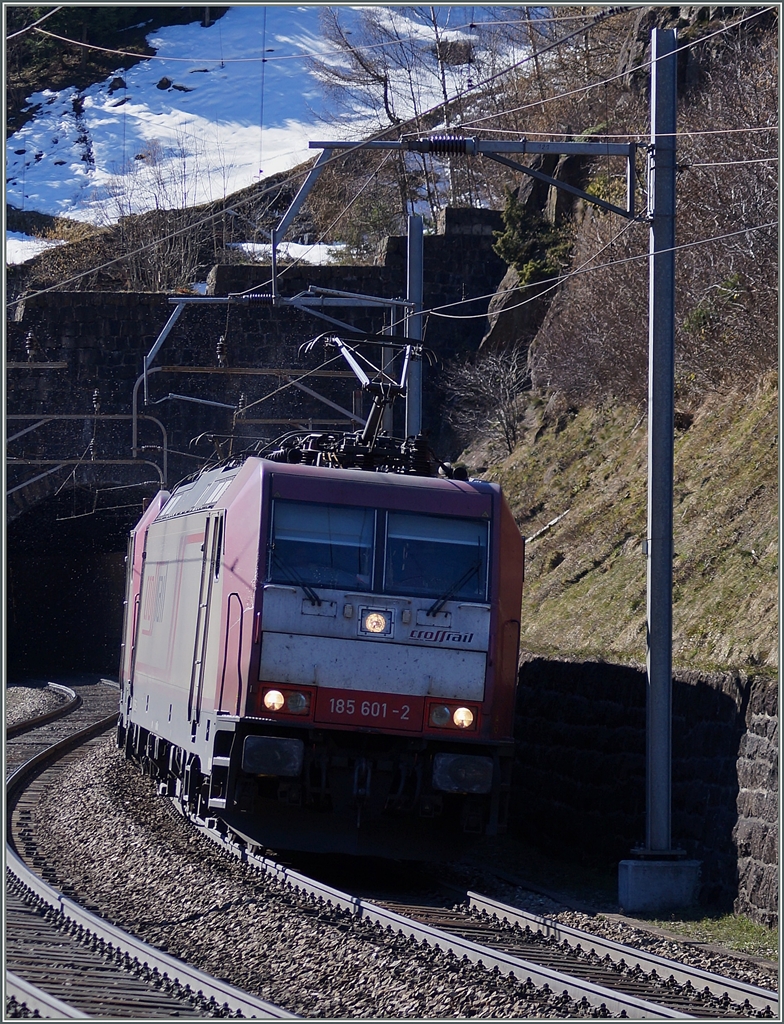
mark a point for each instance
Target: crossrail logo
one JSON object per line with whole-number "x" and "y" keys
{"x": 441, "y": 636}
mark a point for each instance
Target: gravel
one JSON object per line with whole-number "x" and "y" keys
{"x": 124, "y": 853}
{"x": 22, "y": 702}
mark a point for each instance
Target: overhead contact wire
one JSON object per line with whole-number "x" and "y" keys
{"x": 174, "y": 234}
{"x": 605, "y": 81}
{"x": 555, "y": 281}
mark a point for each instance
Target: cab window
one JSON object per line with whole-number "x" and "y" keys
{"x": 322, "y": 545}
{"x": 436, "y": 556}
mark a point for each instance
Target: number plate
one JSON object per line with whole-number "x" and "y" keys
{"x": 387, "y": 712}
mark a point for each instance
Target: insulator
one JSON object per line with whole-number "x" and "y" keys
{"x": 260, "y": 298}
{"x": 449, "y": 144}
{"x": 243, "y": 401}
{"x": 97, "y": 401}
{"x": 280, "y": 455}
{"x": 220, "y": 351}
{"x": 31, "y": 345}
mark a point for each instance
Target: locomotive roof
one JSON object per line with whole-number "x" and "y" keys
{"x": 209, "y": 488}
{"x": 201, "y": 493}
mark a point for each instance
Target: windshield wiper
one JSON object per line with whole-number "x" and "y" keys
{"x": 439, "y": 603}
{"x": 293, "y": 577}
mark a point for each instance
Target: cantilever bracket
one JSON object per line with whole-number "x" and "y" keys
{"x": 159, "y": 341}
{"x": 564, "y": 186}
{"x": 279, "y": 231}
{"x": 453, "y": 145}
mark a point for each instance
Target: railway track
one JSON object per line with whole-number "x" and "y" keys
{"x": 85, "y": 703}
{"x": 615, "y": 979}
{"x": 66, "y": 701}
{"x": 61, "y": 959}
{"x": 515, "y": 934}
{"x": 550, "y": 964}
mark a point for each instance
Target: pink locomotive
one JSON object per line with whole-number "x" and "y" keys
{"x": 320, "y": 645}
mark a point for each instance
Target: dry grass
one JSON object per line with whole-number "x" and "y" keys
{"x": 585, "y": 591}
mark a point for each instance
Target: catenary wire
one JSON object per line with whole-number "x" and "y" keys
{"x": 28, "y": 28}
{"x": 613, "y": 78}
{"x": 291, "y": 56}
{"x": 683, "y": 133}
{"x": 734, "y": 163}
{"x": 438, "y": 311}
{"x": 290, "y": 383}
{"x": 263, "y": 68}
{"x": 602, "y": 15}
{"x": 209, "y": 218}
{"x": 596, "y": 20}
{"x": 554, "y": 281}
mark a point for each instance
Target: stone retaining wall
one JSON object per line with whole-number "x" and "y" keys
{"x": 580, "y": 772}
{"x": 756, "y": 832}
{"x": 62, "y": 347}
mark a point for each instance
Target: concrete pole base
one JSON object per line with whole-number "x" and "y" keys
{"x": 653, "y": 886}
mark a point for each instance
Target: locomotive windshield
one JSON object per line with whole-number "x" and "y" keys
{"x": 334, "y": 546}
{"x": 322, "y": 545}
{"x": 436, "y": 556}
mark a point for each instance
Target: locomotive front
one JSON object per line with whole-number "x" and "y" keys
{"x": 388, "y": 626}
{"x": 358, "y": 695}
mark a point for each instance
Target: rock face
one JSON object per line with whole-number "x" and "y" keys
{"x": 516, "y": 313}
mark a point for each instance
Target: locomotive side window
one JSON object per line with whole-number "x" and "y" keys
{"x": 322, "y": 545}
{"x": 436, "y": 556}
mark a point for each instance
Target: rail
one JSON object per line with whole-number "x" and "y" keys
{"x": 73, "y": 701}
{"x": 615, "y": 1002}
{"x": 102, "y": 932}
{"x": 738, "y": 991}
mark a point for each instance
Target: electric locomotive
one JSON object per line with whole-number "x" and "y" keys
{"x": 325, "y": 658}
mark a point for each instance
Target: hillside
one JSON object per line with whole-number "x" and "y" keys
{"x": 585, "y": 587}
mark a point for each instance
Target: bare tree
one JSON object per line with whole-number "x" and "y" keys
{"x": 594, "y": 340}
{"x": 154, "y": 201}
{"x": 406, "y": 70}
{"x": 484, "y": 396}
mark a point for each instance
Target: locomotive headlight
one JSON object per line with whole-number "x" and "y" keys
{"x": 440, "y": 715}
{"x": 297, "y": 703}
{"x": 463, "y": 718}
{"x": 375, "y": 622}
{"x": 273, "y": 700}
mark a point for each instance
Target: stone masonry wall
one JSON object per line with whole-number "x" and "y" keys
{"x": 756, "y": 832}
{"x": 580, "y": 772}
{"x": 85, "y": 342}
